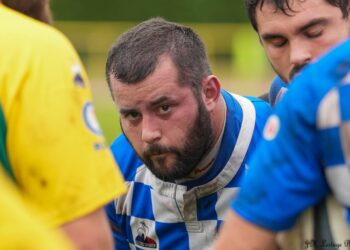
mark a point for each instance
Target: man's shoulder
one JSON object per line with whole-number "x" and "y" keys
{"x": 330, "y": 71}
{"x": 258, "y": 103}
{"x": 126, "y": 157}
{"x": 248, "y": 106}
{"x": 262, "y": 108}
{"x": 26, "y": 33}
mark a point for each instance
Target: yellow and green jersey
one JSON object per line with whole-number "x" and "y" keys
{"x": 51, "y": 144}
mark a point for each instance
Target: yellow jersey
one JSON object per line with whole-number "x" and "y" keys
{"x": 19, "y": 229}
{"x": 52, "y": 145}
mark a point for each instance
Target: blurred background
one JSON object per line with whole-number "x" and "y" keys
{"x": 232, "y": 45}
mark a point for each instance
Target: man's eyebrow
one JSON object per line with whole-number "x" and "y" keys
{"x": 125, "y": 111}
{"x": 159, "y": 100}
{"x": 317, "y": 21}
{"x": 270, "y": 36}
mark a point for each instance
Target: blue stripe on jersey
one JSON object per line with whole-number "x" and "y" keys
{"x": 344, "y": 94}
{"x": 119, "y": 240}
{"x": 236, "y": 182}
{"x": 331, "y": 145}
{"x": 219, "y": 223}
{"x": 138, "y": 205}
{"x": 205, "y": 208}
{"x": 167, "y": 237}
{"x": 129, "y": 234}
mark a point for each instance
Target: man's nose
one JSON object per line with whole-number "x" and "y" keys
{"x": 300, "y": 53}
{"x": 151, "y": 131}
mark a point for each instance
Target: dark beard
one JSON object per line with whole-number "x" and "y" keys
{"x": 199, "y": 139}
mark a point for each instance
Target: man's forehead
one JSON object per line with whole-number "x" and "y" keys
{"x": 298, "y": 10}
{"x": 147, "y": 93}
{"x": 289, "y": 6}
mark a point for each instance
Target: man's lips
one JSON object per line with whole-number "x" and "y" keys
{"x": 159, "y": 154}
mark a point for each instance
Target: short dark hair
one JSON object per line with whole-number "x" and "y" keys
{"x": 135, "y": 54}
{"x": 284, "y": 6}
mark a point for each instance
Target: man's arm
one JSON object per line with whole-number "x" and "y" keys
{"x": 90, "y": 232}
{"x": 237, "y": 233}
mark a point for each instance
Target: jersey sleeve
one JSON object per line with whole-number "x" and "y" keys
{"x": 277, "y": 89}
{"x": 284, "y": 175}
{"x": 56, "y": 148}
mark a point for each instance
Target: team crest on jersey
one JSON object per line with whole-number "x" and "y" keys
{"x": 272, "y": 127}
{"x": 142, "y": 238}
{"x": 90, "y": 119}
{"x": 78, "y": 79}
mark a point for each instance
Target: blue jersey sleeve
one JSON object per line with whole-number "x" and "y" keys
{"x": 284, "y": 174}
{"x": 277, "y": 89}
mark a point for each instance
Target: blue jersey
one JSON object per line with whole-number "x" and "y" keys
{"x": 162, "y": 215}
{"x": 314, "y": 118}
{"x": 277, "y": 89}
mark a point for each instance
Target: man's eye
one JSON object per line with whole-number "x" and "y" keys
{"x": 164, "y": 109}
{"x": 132, "y": 116}
{"x": 313, "y": 33}
{"x": 278, "y": 42}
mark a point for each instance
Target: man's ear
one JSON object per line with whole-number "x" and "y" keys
{"x": 210, "y": 91}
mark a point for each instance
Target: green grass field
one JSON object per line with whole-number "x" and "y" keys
{"x": 109, "y": 121}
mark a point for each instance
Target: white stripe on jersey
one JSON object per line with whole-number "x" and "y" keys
{"x": 339, "y": 180}
{"x": 328, "y": 114}
{"x": 345, "y": 135}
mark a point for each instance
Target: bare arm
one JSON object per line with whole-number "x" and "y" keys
{"x": 237, "y": 233}
{"x": 90, "y": 232}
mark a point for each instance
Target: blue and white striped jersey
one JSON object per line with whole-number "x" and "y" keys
{"x": 162, "y": 215}
{"x": 310, "y": 130}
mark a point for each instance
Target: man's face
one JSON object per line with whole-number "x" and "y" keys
{"x": 168, "y": 127}
{"x": 292, "y": 41}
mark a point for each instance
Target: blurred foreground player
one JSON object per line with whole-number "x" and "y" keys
{"x": 314, "y": 118}
{"x": 53, "y": 148}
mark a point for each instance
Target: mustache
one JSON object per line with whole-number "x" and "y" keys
{"x": 295, "y": 70}
{"x": 157, "y": 149}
